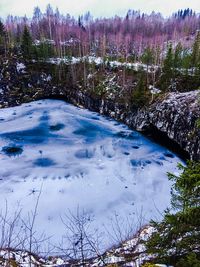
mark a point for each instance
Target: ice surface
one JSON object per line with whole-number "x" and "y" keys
{"x": 79, "y": 159}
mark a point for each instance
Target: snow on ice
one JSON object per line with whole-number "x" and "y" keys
{"x": 79, "y": 159}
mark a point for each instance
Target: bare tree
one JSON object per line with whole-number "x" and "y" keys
{"x": 11, "y": 237}
{"x": 81, "y": 242}
{"x": 122, "y": 228}
{"x": 33, "y": 241}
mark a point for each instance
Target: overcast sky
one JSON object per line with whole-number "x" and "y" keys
{"x": 99, "y": 8}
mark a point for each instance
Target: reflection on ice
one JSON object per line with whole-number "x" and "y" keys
{"x": 82, "y": 160}
{"x": 44, "y": 162}
{"x": 57, "y": 127}
{"x": 12, "y": 150}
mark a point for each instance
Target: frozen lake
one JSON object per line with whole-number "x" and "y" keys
{"x": 79, "y": 159}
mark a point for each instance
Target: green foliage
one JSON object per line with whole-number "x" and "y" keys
{"x": 178, "y": 56}
{"x": 132, "y": 57}
{"x": 44, "y": 51}
{"x": 198, "y": 123}
{"x": 26, "y": 45}
{"x": 178, "y": 235}
{"x": 168, "y": 62}
{"x": 100, "y": 89}
{"x": 121, "y": 59}
{"x": 168, "y": 73}
{"x": 148, "y": 56}
{"x": 195, "y": 58}
{"x": 190, "y": 261}
{"x": 178, "y": 65}
{"x": 186, "y": 60}
{"x": 2, "y": 34}
{"x": 148, "y": 265}
{"x": 2, "y": 29}
{"x": 186, "y": 188}
{"x": 140, "y": 95}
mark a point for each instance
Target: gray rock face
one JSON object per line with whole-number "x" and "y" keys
{"x": 176, "y": 116}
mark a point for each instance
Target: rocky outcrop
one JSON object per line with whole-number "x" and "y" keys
{"x": 176, "y": 115}
{"x": 173, "y": 116}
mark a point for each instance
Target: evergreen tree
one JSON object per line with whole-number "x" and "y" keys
{"x": 168, "y": 62}
{"x": 79, "y": 21}
{"x": 18, "y": 36}
{"x": 140, "y": 95}
{"x": 176, "y": 239}
{"x": 44, "y": 51}
{"x": 178, "y": 56}
{"x": 186, "y": 60}
{"x": 168, "y": 69}
{"x": 2, "y": 33}
{"x": 148, "y": 58}
{"x": 2, "y": 29}
{"x": 27, "y": 46}
{"x": 3, "y": 39}
{"x": 195, "y": 60}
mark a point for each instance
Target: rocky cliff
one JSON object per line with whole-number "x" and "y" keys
{"x": 176, "y": 115}
{"x": 172, "y": 116}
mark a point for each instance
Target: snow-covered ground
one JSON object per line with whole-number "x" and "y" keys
{"x": 99, "y": 60}
{"x": 136, "y": 66}
{"x": 130, "y": 253}
{"x": 79, "y": 159}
